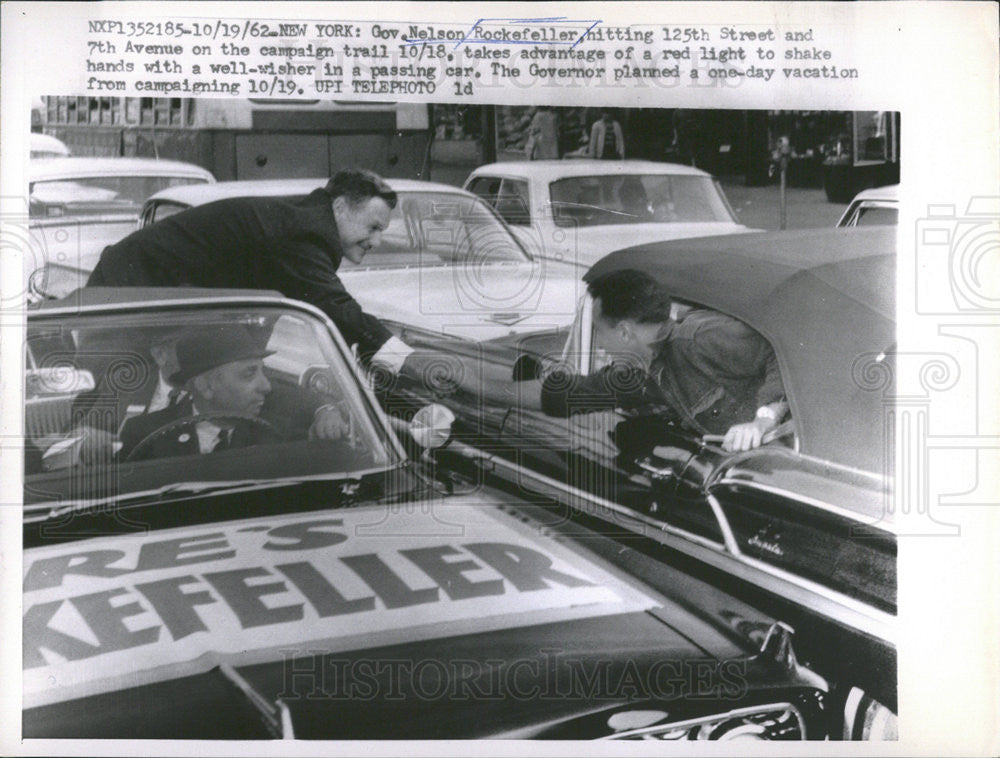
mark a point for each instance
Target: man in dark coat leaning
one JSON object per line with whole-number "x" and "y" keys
{"x": 293, "y": 246}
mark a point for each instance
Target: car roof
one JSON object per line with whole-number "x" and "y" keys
{"x": 199, "y": 194}
{"x": 889, "y": 192}
{"x": 51, "y": 169}
{"x": 149, "y": 297}
{"x": 46, "y": 143}
{"x": 824, "y": 298}
{"x": 550, "y": 170}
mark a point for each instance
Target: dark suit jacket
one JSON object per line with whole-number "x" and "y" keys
{"x": 275, "y": 243}
{"x": 290, "y": 410}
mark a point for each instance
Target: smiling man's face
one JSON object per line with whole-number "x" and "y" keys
{"x": 360, "y": 226}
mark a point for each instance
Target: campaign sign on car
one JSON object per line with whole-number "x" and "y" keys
{"x": 115, "y": 612}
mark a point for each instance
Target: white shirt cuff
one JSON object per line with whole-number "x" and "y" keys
{"x": 392, "y": 354}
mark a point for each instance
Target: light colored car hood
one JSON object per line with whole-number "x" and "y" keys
{"x": 585, "y": 246}
{"x": 475, "y": 302}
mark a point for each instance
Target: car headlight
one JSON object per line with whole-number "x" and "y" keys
{"x": 774, "y": 721}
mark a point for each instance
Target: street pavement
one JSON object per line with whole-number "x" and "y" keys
{"x": 760, "y": 207}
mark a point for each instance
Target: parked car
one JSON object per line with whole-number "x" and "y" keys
{"x": 447, "y": 262}
{"x": 339, "y": 589}
{"x": 878, "y": 206}
{"x": 800, "y": 524}
{"x": 78, "y": 206}
{"x": 576, "y": 211}
{"x": 46, "y": 146}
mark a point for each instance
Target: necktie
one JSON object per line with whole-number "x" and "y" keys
{"x": 174, "y": 396}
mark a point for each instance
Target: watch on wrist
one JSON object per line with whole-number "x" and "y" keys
{"x": 766, "y": 411}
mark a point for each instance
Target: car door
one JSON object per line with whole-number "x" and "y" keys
{"x": 771, "y": 517}
{"x": 511, "y": 198}
{"x": 790, "y": 515}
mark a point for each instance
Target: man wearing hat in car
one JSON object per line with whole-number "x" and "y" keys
{"x": 227, "y": 401}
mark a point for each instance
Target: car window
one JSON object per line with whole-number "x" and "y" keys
{"x": 876, "y": 216}
{"x": 637, "y": 199}
{"x": 98, "y": 194}
{"x": 486, "y": 187}
{"x": 162, "y": 210}
{"x": 99, "y": 377}
{"x": 442, "y": 229}
{"x": 719, "y": 382}
{"x": 513, "y": 203}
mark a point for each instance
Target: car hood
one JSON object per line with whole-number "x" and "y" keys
{"x": 473, "y": 302}
{"x": 110, "y": 614}
{"x": 584, "y": 246}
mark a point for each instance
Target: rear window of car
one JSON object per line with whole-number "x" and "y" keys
{"x": 99, "y": 194}
{"x": 637, "y": 199}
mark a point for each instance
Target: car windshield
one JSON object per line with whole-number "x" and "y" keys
{"x": 877, "y": 215}
{"x": 582, "y": 201}
{"x": 119, "y": 403}
{"x": 442, "y": 229}
{"x": 87, "y": 195}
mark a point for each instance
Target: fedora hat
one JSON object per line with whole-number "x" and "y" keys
{"x": 204, "y": 349}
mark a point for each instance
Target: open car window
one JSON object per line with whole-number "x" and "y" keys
{"x": 586, "y": 351}
{"x": 96, "y": 377}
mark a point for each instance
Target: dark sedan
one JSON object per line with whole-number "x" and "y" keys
{"x": 333, "y": 587}
{"x": 801, "y": 524}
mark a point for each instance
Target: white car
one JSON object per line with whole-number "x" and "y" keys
{"x": 77, "y": 206}
{"x": 447, "y": 263}
{"x": 878, "y": 206}
{"x": 576, "y": 211}
{"x": 78, "y": 186}
{"x": 46, "y": 146}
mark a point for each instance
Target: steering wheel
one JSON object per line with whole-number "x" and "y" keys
{"x": 185, "y": 422}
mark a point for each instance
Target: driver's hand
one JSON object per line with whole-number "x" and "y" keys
{"x": 747, "y": 436}
{"x": 329, "y": 423}
{"x": 97, "y": 447}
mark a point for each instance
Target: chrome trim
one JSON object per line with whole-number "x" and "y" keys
{"x": 495, "y": 462}
{"x": 276, "y": 716}
{"x": 833, "y": 605}
{"x": 727, "y": 531}
{"x": 702, "y": 720}
{"x": 46, "y": 510}
{"x": 877, "y": 479}
{"x": 885, "y": 526}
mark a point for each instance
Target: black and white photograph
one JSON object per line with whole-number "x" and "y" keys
{"x": 369, "y": 411}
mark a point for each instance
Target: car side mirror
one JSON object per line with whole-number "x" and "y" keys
{"x": 430, "y": 427}
{"x": 527, "y": 368}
